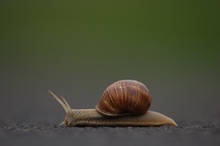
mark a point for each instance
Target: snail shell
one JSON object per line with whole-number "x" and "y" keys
{"x": 125, "y": 97}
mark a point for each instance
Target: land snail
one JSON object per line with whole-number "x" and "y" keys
{"x": 123, "y": 103}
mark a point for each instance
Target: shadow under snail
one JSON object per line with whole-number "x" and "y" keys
{"x": 123, "y": 103}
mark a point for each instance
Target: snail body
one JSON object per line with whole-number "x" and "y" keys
{"x": 124, "y": 103}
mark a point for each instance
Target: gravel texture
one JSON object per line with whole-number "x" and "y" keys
{"x": 187, "y": 133}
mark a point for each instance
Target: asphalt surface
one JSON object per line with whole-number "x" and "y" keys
{"x": 187, "y": 133}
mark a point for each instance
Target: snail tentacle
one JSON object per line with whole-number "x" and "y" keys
{"x": 63, "y": 103}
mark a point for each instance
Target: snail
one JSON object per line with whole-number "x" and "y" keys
{"x": 123, "y": 103}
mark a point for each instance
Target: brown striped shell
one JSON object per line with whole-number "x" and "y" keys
{"x": 125, "y": 97}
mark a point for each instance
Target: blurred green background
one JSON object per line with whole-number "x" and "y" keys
{"x": 77, "y": 48}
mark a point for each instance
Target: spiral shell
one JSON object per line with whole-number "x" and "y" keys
{"x": 125, "y": 97}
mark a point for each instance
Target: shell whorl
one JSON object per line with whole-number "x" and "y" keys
{"x": 125, "y": 97}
